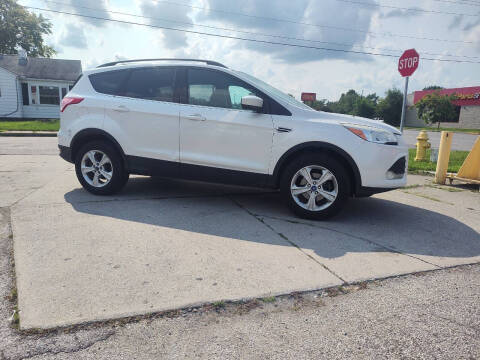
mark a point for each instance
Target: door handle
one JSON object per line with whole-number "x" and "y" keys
{"x": 196, "y": 117}
{"x": 121, "y": 108}
{"x": 283, "y": 129}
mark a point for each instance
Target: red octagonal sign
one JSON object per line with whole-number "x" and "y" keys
{"x": 408, "y": 62}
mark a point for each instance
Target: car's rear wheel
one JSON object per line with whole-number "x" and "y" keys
{"x": 315, "y": 186}
{"x": 100, "y": 168}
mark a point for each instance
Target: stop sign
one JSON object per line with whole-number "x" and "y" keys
{"x": 408, "y": 62}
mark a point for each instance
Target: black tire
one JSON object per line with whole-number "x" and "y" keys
{"x": 324, "y": 161}
{"x": 119, "y": 176}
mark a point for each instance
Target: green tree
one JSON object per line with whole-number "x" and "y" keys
{"x": 351, "y": 103}
{"x": 364, "y": 107}
{"x": 346, "y": 103}
{"x": 373, "y": 98}
{"x": 436, "y": 108}
{"x": 321, "y": 105}
{"x": 433, "y": 87}
{"x": 20, "y": 28}
{"x": 389, "y": 109}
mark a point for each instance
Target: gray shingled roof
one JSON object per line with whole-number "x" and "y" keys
{"x": 43, "y": 68}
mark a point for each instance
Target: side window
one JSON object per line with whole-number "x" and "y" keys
{"x": 151, "y": 84}
{"x": 216, "y": 89}
{"x": 108, "y": 82}
{"x": 200, "y": 94}
{"x": 49, "y": 95}
{"x": 33, "y": 90}
{"x": 26, "y": 99}
{"x": 236, "y": 93}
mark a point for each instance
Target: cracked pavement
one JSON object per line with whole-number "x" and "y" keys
{"x": 163, "y": 245}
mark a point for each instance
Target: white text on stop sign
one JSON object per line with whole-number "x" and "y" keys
{"x": 408, "y": 63}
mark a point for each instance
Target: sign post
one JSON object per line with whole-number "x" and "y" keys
{"x": 404, "y": 106}
{"x": 407, "y": 64}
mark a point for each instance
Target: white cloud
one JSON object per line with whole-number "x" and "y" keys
{"x": 96, "y": 8}
{"x": 306, "y": 15}
{"x": 474, "y": 36}
{"x": 157, "y": 11}
{"x": 402, "y": 13}
{"x": 74, "y": 36}
{"x": 292, "y": 70}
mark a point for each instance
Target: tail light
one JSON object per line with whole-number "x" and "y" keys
{"x": 69, "y": 101}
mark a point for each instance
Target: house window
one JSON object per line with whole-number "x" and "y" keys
{"x": 64, "y": 92}
{"x": 49, "y": 95}
{"x": 33, "y": 90}
{"x": 26, "y": 98}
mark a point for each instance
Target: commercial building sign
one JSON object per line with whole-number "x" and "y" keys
{"x": 468, "y": 96}
{"x": 309, "y": 96}
{"x": 474, "y": 96}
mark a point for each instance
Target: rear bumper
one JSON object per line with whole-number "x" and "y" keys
{"x": 65, "y": 153}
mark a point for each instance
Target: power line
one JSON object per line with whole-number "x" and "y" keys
{"x": 465, "y": 3}
{"x": 255, "y": 33}
{"x": 436, "y": 12}
{"x": 311, "y": 24}
{"x": 240, "y": 38}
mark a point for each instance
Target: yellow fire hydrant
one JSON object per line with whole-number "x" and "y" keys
{"x": 422, "y": 146}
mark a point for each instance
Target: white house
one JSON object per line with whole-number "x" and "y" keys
{"x": 34, "y": 87}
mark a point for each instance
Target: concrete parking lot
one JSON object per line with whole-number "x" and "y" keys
{"x": 164, "y": 244}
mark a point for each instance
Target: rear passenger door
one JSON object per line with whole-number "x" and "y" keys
{"x": 144, "y": 117}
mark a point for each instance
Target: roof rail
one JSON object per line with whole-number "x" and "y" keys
{"x": 208, "y": 62}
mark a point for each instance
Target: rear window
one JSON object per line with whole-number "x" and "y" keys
{"x": 109, "y": 82}
{"x": 151, "y": 84}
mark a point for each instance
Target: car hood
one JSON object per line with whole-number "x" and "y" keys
{"x": 324, "y": 117}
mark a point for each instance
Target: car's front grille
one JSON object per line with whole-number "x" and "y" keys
{"x": 399, "y": 167}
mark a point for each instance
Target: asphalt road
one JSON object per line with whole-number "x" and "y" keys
{"x": 460, "y": 141}
{"x": 28, "y": 145}
{"x": 434, "y": 316}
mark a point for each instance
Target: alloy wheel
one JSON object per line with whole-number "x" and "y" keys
{"x": 97, "y": 168}
{"x": 314, "y": 188}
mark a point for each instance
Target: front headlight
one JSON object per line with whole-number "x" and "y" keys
{"x": 373, "y": 134}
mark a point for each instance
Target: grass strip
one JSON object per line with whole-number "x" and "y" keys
{"x": 456, "y": 160}
{"x": 30, "y": 125}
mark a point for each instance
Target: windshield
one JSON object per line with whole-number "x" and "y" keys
{"x": 273, "y": 91}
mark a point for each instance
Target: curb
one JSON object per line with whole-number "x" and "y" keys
{"x": 29, "y": 133}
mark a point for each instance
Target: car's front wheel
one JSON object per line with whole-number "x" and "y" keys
{"x": 100, "y": 169}
{"x": 315, "y": 186}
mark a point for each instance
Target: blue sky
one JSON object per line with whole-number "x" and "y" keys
{"x": 293, "y": 70}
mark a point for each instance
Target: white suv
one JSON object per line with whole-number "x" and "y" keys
{"x": 199, "y": 120}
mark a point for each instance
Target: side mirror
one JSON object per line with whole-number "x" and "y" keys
{"x": 252, "y": 102}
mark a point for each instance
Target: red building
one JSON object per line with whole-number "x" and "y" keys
{"x": 468, "y": 105}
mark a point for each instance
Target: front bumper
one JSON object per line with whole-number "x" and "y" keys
{"x": 397, "y": 170}
{"x": 379, "y": 165}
